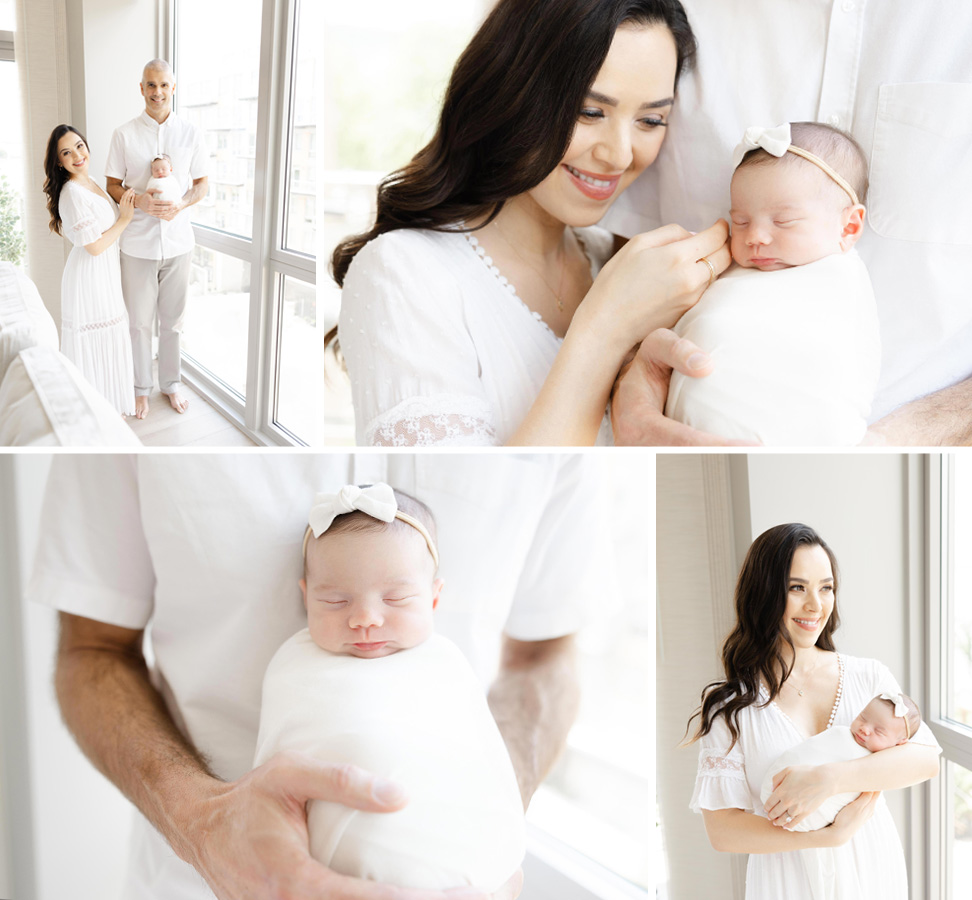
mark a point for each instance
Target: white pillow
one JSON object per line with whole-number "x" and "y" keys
{"x": 45, "y": 401}
{"x": 419, "y": 717}
{"x": 24, "y": 320}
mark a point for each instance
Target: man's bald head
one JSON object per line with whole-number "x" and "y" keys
{"x": 158, "y": 67}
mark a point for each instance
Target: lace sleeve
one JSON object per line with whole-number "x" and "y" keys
{"x": 79, "y": 220}
{"x": 720, "y": 782}
{"x": 444, "y": 421}
{"x": 414, "y": 367}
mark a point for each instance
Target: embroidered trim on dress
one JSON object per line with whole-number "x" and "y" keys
{"x": 710, "y": 763}
{"x": 442, "y": 420}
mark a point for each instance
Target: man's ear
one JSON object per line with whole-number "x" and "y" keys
{"x": 437, "y": 586}
{"x": 853, "y": 226}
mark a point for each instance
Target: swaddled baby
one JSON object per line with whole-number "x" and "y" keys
{"x": 368, "y": 683}
{"x": 792, "y": 327}
{"x": 887, "y": 721}
{"x": 164, "y": 181}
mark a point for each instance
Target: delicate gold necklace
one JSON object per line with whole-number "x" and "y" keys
{"x": 557, "y": 294}
{"x": 806, "y": 680}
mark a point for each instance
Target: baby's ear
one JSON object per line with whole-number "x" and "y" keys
{"x": 303, "y": 591}
{"x": 853, "y": 218}
{"x": 437, "y": 586}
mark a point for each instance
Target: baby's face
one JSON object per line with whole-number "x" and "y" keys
{"x": 370, "y": 593}
{"x": 161, "y": 168}
{"x": 783, "y": 216}
{"x": 877, "y": 727}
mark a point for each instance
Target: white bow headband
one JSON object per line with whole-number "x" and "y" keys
{"x": 376, "y": 500}
{"x": 776, "y": 142}
{"x": 900, "y": 709}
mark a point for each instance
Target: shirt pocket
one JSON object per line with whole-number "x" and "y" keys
{"x": 921, "y": 163}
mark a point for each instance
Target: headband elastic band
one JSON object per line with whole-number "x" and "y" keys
{"x": 776, "y": 141}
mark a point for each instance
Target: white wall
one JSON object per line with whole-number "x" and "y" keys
{"x": 81, "y": 822}
{"x": 119, "y": 37}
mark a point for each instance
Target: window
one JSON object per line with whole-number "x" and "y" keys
{"x": 610, "y": 752}
{"x": 249, "y": 81}
{"x": 950, "y": 667}
{"x": 12, "y": 242}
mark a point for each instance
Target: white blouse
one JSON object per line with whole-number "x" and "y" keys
{"x": 439, "y": 347}
{"x": 870, "y": 864}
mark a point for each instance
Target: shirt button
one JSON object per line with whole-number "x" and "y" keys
{"x": 833, "y": 120}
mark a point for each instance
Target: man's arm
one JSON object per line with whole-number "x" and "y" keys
{"x": 942, "y": 419}
{"x": 534, "y": 700}
{"x": 247, "y": 838}
{"x": 196, "y": 192}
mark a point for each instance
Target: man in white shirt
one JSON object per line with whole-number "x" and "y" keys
{"x": 203, "y": 552}
{"x": 898, "y": 76}
{"x": 157, "y": 245}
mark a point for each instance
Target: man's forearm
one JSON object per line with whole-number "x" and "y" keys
{"x": 942, "y": 419}
{"x": 121, "y": 723}
{"x": 196, "y": 192}
{"x": 534, "y": 700}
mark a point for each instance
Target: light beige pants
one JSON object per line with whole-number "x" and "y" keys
{"x": 153, "y": 286}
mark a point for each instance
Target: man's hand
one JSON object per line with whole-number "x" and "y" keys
{"x": 249, "y": 839}
{"x": 641, "y": 389}
{"x": 160, "y": 209}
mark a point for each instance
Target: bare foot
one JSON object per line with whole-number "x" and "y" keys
{"x": 177, "y": 402}
{"x": 141, "y": 407}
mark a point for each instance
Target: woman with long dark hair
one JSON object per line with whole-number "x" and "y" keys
{"x": 94, "y": 321}
{"x": 785, "y": 681}
{"x": 470, "y": 313}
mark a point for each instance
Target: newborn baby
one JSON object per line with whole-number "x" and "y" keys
{"x": 792, "y": 327}
{"x": 164, "y": 181}
{"x": 885, "y": 722}
{"x": 368, "y": 683}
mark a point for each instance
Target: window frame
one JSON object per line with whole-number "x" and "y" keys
{"x": 264, "y": 251}
{"x": 955, "y": 738}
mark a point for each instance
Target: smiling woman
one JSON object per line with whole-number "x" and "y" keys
{"x": 475, "y": 310}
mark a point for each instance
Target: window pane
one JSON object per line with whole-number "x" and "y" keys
{"x": 959, "y": 630}
{"x": 610, "y": 748}
{"x": 217, "y": 82}
{"x": 12, "y": 244}
{"x": 7, "y": 16}
{"x": 312, "y": 404}
{"x": 959, "y": 829}
{"x": 300, "y": 222}
{"x": 217, "y": 316}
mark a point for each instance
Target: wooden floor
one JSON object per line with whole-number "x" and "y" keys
{"x": 201, "y": 425}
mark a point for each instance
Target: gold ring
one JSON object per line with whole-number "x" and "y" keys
{"x": 712, "y": 274}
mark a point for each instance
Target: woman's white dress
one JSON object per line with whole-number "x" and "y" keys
{"x": 439, "y": 347}
{"x": 872, "y": 863}
{"x": 94, "y": 321}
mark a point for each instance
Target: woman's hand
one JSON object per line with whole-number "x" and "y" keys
{"x": 126, "y": 206}
{"x": 797, "y": 792}
{"x": 650, "y": 282}
{"x": 850, "y": 819}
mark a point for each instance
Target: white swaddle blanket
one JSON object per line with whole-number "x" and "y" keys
{"x": 419, "y": 717}
{"x": 836, "y": 744}
{"x": 796, "y": 355}
{"x": 171, "y": 190}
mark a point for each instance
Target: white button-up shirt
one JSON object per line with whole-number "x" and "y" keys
{"x": 133, "y": 147}
{"x": 898, "y": 76}
{"x": 206, "y": 550}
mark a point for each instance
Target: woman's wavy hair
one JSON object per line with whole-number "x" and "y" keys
{"x": 509, "y": 111}
{"x": 57, "y": 175}
{"x": 753, "y": 650}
